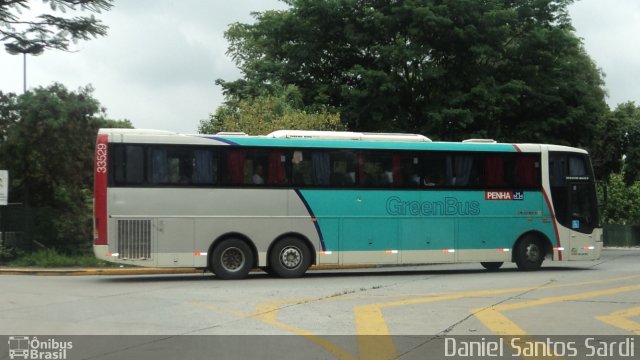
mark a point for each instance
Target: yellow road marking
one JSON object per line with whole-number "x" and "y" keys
{"x": 620, "y": 319}
{"x": 369, "y": 319}
{"x": 268, "y": 314}
{"x": 499, "y": 324}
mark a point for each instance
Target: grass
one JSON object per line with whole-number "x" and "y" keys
{"x": 52, "y": 258}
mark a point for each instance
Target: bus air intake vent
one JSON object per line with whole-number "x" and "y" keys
{"x": 134, "y": 239}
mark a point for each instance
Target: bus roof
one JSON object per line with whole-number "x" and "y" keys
{"x": 325, "y": 139}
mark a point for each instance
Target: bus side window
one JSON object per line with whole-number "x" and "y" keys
{"x": 235, "y": 166}
{"x": 205, "y": 167}
{"x": 528, "y": 172}
{"x": 344, "y": 167}
{"x": 129, "y": 165}
{"x": 495, "y": 171}
{"x": 435, "y": 170}
{"x": 277, "y": 168}
{"x": 301, "y": 167}
{"x": 462, "y": 171}
{"x": 410, "y": 170}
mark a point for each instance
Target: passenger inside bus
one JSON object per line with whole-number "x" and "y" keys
{"x": 258, "y": 175}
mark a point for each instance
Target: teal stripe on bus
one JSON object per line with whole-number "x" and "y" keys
{"x": 361, "y": 220}
{"x": 355, "y": 144}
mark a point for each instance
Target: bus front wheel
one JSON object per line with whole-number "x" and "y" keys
{"x": 290, "y": 258}
{"x": 529, "y": 254}
{"x": 231, "y": 259}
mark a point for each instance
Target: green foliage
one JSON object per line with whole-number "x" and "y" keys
{"x": 450, "y": 69}
{"x": 49, "y": 30}
{"x": 7, "y": 253}
{"x": 48, "y": 145}
{"x": 52, "y": 258}
{"x": 264, "y": 114}
{"x": 622, "y": 201}
{"x": 617, "y": 145}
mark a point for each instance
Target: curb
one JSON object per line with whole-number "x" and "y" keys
{"x": 96, "y": 271}
{"x": 139, "y": 271}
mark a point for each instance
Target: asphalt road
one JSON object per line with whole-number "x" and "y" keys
{"x": 564, "y": 298}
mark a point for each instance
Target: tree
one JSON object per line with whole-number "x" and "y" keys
{"x": 267, "y": 113}
{"x": 21, "y": 34}
{"x": 512, "y": 70}
{"x": 622, "y": 205}
{"x": 616, "y": 148}
{"x": 48, "y": 147}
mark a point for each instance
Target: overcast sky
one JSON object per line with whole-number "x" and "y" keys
{"x": 158, "y": 63}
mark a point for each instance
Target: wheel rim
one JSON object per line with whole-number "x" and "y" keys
{"x": 232, "y": 259}
{"x": 533, "y": 252}
{"x": 290, "y": 257}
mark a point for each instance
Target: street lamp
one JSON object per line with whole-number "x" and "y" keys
{"x": 24, "y": 49}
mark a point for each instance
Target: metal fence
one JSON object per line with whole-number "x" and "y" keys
{"x": 621, "y": 235}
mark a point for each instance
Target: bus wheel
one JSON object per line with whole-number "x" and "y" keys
{"x": 231, "y": 259}
{"x": 529, "y": 254}
{"x": 289, "y": 258}
{"x": 491, "y": 266}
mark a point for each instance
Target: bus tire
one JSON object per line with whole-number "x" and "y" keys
{"x": 529, "y": 254}
{"x": 491, "y": 266}
{"x": 290, "y": 258}
{"x": 231, "y": 259}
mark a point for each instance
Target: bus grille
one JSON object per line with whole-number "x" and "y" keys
{"x": 134, "y": 239}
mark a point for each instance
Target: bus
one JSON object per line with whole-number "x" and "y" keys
{"x": 230, "y": 202}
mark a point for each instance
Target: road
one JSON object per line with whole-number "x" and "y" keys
{"x": 577, "y": 298}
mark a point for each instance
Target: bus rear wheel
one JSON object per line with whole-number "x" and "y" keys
{"x": 290, "y": 258}
{"x": 231, "y": 259}
{"x": 491, "y": 266}
{"x": 529, "y": 254}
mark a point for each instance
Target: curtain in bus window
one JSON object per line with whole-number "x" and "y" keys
{"x": 460, "y": 171}
{"x": 362, "y": 175}
{"x": 320, "y": 172}
{"x": 236, "y": 166}
{"x": 526, "y": 173}
{"x": 494, "y": 171}
{"x": 159, "y": 166}
{"x": 277, "y": 172}
{"x": 203, "y": 167}
{"x": 396, "y": 169}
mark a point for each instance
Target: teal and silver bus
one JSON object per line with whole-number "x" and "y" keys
{"x": 283, "y": 202}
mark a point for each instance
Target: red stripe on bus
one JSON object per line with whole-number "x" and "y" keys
{"x": 555, "y": 223}
{"x": 516, "y": 147}
{"x": 100, "y": 190}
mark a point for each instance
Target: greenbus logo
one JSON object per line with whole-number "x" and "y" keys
{"x": 450, "y": 206}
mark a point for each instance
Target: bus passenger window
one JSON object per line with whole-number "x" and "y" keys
{"x": 434, "y": 172}
{"x": 256, "y": 168}
{"x": 277, "y": 168}
{"x": 129, "y": 165}
{"x": 462, "y": 171}
{"x": 528, "y": 172}
{"x": 301, "y": 168}
{"x": 206, "y": 167}
{"x": 343, "y": 168}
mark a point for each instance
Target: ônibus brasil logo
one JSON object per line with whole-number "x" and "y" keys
{"x": 31, "y": 348}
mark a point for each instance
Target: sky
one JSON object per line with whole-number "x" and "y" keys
{"x": 158, "y": 64}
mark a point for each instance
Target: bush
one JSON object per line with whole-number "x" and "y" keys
{"x": 52, "y": 258}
